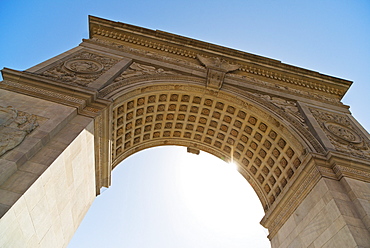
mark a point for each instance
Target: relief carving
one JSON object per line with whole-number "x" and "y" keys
{"x": 83, "y": 66}
{"x": 82, "y": 69}
{"x": 343, "y": 134}
{"x": 274, "y": 86}
{"x": 191, "y": 65}
{"x": 137, "y": 69}
{"x": 289, "y": 107}
{"x": 216, "y": 70}
{"x": 144, "y": 53}
{"x": 14, "y": 126}
{"x": 246, "y": 68}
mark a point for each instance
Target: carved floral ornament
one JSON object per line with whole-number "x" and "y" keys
{"x": 14, "y": 127}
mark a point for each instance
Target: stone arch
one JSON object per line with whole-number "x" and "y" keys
{"x": 127, "y": 88}
{"x": 148, "y": 112}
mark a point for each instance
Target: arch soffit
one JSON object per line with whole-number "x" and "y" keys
{"x": 257, "y": 101}
{"x": 166, "y": 110}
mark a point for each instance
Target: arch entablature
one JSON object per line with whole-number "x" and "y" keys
{"x": 182, "y": 112}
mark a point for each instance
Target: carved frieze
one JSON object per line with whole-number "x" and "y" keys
{"x": 191, "y": 65}
{"x": 291, "y": 80}
{"x": 144, "y": 53}
{"x": 342, "y": 133}
{"x": 14, "y": 127}
{"x": 290, "y": 90}
{"x": 39, "y": 91}
{"x": 81, "y": 69}
{"x": 137, "y": 69}
{"x": 127, "y": 37}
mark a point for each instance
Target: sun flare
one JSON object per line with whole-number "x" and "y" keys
{"x": 210, "y": 188}
{"x": 233, "y": 165}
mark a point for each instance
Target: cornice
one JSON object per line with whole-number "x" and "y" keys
{"x": 333, "y": 165}
{"x": 241, "y": 81}
{"x": 85, "y": 100}
{"x": 349, "y": 166}
{"x": 189, "y": 49}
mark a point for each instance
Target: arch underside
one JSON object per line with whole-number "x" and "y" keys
{"x": 265, "y": 149}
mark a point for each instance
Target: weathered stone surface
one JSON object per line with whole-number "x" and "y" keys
{"x": 50, "y": 210}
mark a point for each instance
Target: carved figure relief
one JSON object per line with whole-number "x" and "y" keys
{"x": 342, "y": 133}
{"x": 137, "y": 69}
{"x": 289, "y": 107}
{"x": 82, "y": 69}
{"x": 14, "y": 126}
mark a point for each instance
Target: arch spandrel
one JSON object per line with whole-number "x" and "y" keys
{"x": 164, "y": 112}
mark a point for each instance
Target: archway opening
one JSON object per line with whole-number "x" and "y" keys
{"x": 166, "y": 197}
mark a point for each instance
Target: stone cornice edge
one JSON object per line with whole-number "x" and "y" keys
{"x": 85, "y": 100}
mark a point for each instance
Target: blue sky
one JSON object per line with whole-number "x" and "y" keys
{"x": 329, "y": 36}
